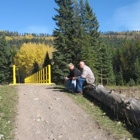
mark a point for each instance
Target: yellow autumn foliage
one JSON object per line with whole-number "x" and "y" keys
{"x": 8, "y": 38}
{"x": 31, "y": 53}
{"x": 29, "y": 36}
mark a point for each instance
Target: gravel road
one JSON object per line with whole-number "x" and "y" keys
{"x": 46, "y": 113}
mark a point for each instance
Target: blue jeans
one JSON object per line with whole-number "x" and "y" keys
{"x": 71, "y": 85}
{"x": 80, "y": 83}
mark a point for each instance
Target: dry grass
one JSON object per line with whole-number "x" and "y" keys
{"x": 133, "y": 92}
{"x": 8, "y": 102}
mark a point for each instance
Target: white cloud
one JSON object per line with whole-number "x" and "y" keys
{"x": 127, "y": 17}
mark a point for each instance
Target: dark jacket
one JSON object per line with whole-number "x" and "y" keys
{"x": 74, "y": 73}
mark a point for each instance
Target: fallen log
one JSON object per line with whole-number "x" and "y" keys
{"x": 127, "y": 107}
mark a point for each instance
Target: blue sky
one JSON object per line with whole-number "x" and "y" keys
{"x": 35, "y": 16}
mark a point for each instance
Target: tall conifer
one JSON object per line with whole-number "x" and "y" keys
{"x": 5, "y": 61}
{"x": 47, "y": 60}
{"x": 91, "y": 35}
{"x": 104, "y": 65}
{"x": 62, "y": 43}
{"x": 76, "y": 36}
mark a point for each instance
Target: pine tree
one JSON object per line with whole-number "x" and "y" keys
{"x": 91, "y": 35}
{"x": 91, "y": 24}
{"x": 109, "y": 63}
{"x": 117, "y": 67}
{"x": 74, "y": 40}
{"x": 127, "y": 58}
{"x": 137, "y": 71}
{"x": 47, "y": 60}
{"x": 104, "y": 65}
{"x": 35, "y": 67}
{"x": 119, "y": 78}
{"x": 77, "y": 36}
{"x": 5, "y": 61}
{"x": 62, "y": 43}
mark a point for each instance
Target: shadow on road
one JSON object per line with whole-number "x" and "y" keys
{"x": 58, "y": 88}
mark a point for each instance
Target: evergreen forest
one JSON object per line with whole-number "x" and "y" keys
{"x": 114, "y": 57}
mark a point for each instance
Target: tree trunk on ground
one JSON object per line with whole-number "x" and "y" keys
{"x": 127, "y": 107}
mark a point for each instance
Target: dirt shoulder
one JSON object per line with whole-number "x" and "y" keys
{"x": 46, "y": 113}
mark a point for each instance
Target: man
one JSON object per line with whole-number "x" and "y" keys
{"x": 87, "y": 76}
{"x": 71, "y": 78}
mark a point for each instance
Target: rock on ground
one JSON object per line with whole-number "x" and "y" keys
{"x": 46, "y": 113}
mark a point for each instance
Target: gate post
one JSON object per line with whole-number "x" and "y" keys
{"x": 49, "y": 73}
{"x": 14, "y": 74}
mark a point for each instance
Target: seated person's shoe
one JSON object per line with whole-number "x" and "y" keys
{"x": 80, "y": 93}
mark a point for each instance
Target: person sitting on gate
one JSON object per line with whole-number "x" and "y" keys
{"x": 87, "y": 76}
{"x": 71, "y": 78}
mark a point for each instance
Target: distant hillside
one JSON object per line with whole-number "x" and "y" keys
{"x": 127, "y": 34}
{"x": 16, "y": 39}
{"x": 48, "y": 39}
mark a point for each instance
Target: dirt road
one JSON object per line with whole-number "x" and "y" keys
{"x": 46, "y": 113}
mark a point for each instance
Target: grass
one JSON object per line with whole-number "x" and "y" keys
{"x": 106, "y": 118}
{"x": 8, "y": 109}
